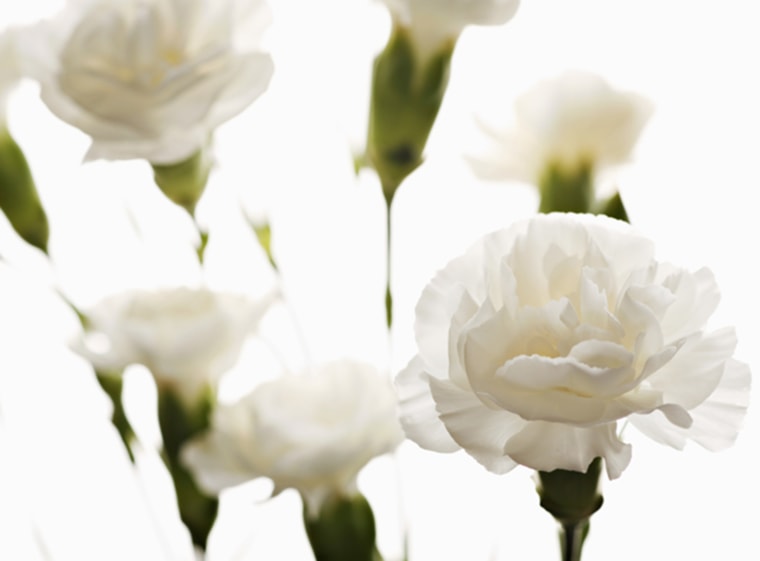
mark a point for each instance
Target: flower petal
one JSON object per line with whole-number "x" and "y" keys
{"x": 549, "y": 446}
{"x": 696, "y": 369}
{"x": 418, "y": 415}
{"x": 480, "y": 430}
{"x": 716, "y": 422}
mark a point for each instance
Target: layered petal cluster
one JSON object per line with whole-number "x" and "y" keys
{"x": 571, "y": 121}
{"x": 150, "y": 79}
{"x": 312, "y": 432}
{"x": 186, "y": 337}
{"x": 540, "y": 339}
{"x": 433, "y": 22}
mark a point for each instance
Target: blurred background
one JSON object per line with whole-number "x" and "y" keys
{"x": 691, "y": 186}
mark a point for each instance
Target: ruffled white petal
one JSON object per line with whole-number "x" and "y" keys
{"x": 418, "y": 415}
{"x": 549, "y": 446}
{"x": 696, "y": 369}
{"x": 716, "y": 421}
{"x": 696, "y": 298}
{"x": 480, "y": 430}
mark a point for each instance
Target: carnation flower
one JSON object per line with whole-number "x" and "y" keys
{"x": 150, "y": 79}
{"x": 186, "y": 337}
{"x": 573, "y": 121}
{"x": 313, "y": 433}
{"x": 538, "y": 342}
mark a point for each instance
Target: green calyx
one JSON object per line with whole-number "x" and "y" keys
{"x": 344, "y": 530}
{"x": 566, "y": 189}
{"x": 184, "y": 182}
{"x": 406, "y": 96}
{"x": 571, "y": 496}
{"x": 19, "y": 199}
{"x": 571, "y": 189}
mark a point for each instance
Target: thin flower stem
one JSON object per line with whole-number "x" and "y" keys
{"x": 388, "y": 294}
{"x": 571, "y": 539}
{"x": 264, "y": 236}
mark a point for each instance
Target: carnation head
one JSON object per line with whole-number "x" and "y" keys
{"x": 150, "y": 79}
{"x": 537, "y": 343}
{"x": 312, "y": 432}
{"x": 573, "y": 122}
{"x": 187, "y": 337}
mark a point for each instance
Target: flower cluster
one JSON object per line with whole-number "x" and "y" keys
{"x": 536, "y": 347}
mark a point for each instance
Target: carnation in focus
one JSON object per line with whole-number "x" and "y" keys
{"x": 543, "y": 338}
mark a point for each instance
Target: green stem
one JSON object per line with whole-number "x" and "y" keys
{"x": 571, "y": 538}
{"x": 179, "y": 423}
{"x": 571, "y": 497}
{"x": 388, "y": 294}
{"x": 113, "y": 386}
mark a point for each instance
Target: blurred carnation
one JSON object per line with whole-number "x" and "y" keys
{"x": 570, "y": 122}
{"x": 150, "y": 79}
{"x": 313, "y": 433}
{"x": 186, "y": 337}
{"x": 541, "y": 337}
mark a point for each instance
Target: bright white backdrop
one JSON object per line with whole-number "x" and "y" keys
{"x": 691, "y": 186}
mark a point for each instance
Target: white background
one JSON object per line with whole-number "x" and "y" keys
{"x": 691, "y": 186}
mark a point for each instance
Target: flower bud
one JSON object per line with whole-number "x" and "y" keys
{"x": 18, "y": 195}
{"x": 406, "y": 95}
